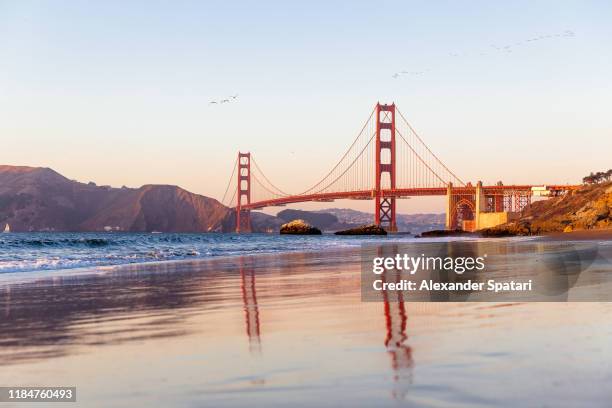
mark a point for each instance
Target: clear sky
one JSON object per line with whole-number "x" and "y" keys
{"x": 117, "y": 92}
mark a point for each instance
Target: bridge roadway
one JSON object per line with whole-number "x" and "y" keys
{"x": 403, "y": 193}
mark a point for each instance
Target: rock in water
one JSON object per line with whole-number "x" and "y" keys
{"x": 446, "y": 233}
{"x": 371, "y": 229}
{"x": 299, "y": 227}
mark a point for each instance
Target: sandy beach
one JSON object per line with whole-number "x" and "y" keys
{"x": 291, "y": 329}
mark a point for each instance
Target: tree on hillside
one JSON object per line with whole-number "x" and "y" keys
{"x": 590, "y": 179}
{"x": 598, "y": 177}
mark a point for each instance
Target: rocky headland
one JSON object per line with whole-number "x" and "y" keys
{"x": 585, "y": 209}
{"x": 446, "y": 233}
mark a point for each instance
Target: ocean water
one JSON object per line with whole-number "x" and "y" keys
{"x": 27, "y": 252}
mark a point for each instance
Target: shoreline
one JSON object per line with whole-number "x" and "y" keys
{"x": 25, "y": 275}
{"x": 152, "y": 267}
{"x": 34, "y": 276}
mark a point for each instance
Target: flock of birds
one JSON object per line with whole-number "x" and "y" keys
{"x": 229, "y": 99}
{"x": 412, "y": 73}
{"x": 498, "y": 48}
{"x": 509, "y": 47}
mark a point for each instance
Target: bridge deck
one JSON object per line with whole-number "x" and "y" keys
{"x": 399, "y": 193}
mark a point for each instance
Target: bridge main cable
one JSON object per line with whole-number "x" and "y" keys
{"x": 282, "y": 193}
{"x": 427, "y": 147}
{"x": 229, "y": 183}
{"x": 342, "y": 158}
{"x": 419, "y": 157}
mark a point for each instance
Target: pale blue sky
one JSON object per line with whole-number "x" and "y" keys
{"x": 117, "y": 92}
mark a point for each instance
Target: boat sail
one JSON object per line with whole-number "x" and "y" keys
{"x": 7, "y": 228}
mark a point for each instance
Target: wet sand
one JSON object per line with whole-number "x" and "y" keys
{"x": 291, "y": 330}
{"x": 584, "y": 235}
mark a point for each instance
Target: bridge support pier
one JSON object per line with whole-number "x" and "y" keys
{"x": 480, "y": 205}
{"x": 461, "y": 207}
{"x": 449, "y": 206}
{"x": 473, "y": 208}
{"x": 243, "y": 217}
{"x": 384, "y": 211}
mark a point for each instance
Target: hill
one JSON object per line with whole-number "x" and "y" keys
{"x": 40, "y": 199}
{"x": 588, "y": 208}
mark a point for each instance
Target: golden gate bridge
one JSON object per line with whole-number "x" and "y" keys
{"x": 387, "y": 161}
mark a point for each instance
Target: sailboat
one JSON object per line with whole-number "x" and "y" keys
{"x": 7, "y": 228}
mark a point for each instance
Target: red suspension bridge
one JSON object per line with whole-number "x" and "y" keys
{"x": 387, "y": 161}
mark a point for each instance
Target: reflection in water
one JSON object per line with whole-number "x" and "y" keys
{"x": 7, "y": 301}
{"x": 53, "y": 316}
{"x": 50, "y": 317}
{"x": 251, "y": 310}
{"x": 395, "y": 342}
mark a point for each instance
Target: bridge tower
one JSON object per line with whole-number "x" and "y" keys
{"x": 384, "y": 212}
{"x": 243, "y": 217}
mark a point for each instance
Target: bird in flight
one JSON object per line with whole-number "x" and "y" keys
{"x": 228, "y": 99}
